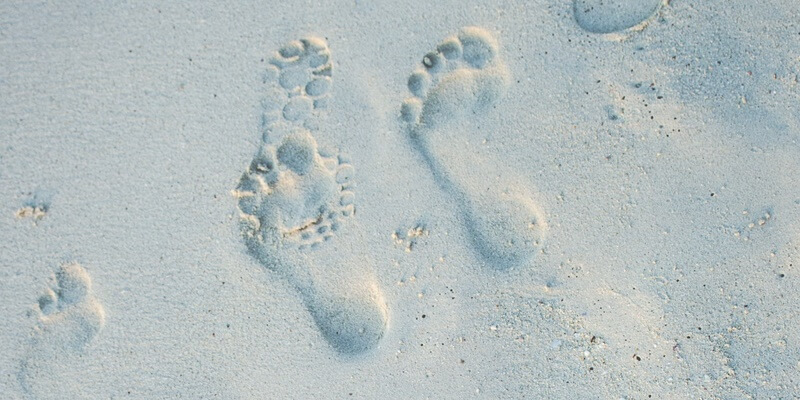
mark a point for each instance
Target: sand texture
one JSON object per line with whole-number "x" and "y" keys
{"x": 545, "y": 199}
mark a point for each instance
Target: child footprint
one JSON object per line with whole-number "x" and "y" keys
{"x": 69, "y": 318}
{"x": 457, "y": 83}
{"x": 296, "y": 202}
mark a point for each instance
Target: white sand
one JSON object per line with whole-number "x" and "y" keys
{"x": 574, "y": 199}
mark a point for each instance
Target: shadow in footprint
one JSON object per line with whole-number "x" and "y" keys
{"x": 460, "y": 81}
{"x": 609, "y": 16}
{"x": 295, "y": 197}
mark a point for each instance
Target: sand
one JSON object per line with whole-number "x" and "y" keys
{"x": 573, "y": 199}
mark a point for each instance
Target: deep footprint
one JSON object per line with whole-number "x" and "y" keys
{"x": 69, "y": 318}
{"x": 462, "y": 80}
{"x": 608, "y": 16}
{"x": 295, "y": 197}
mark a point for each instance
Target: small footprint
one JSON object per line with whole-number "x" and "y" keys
{"x": 608, "y": 16}
{"x": 36, "y": 213}
{"x": 69, "y": 318}
{"x": 36, "y": 207}
{"x": 457, "y": 84}
{"x": 296, "y": 195}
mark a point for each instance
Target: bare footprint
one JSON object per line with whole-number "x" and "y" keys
{"x": 296, "y": 203}
{"x": 608, "y": 16}
{"x": 69, "y": 317}
{"x": 456, "y": 85}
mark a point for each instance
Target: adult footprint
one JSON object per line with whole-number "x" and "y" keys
{"x": 296, "y": 202}
{"x": 607, "y": 16}
{"x": 69, "y": 317}
{"x": 456, "y": 85}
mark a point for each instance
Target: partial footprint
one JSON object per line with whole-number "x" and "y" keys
{"x": 455, "y": 86}
{"x": 69, "y": 319}
{"x": 607, "y": 16}
{"x": 463, "y": 76}
{"x": 296, "y": 197}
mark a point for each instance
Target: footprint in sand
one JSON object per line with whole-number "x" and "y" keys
{"x": 608, "y": 16}
{"x": 296, "y": 202}
{"x": 457, "y": 84}
{"x": 69, "y": 319}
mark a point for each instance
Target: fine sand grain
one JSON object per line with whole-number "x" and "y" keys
{"x": 545, "y": 199}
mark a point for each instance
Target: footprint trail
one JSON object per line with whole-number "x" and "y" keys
{"x": 297, "y": 203}
{"x": 457, "y": 84}
{"x": 69, "y": 318}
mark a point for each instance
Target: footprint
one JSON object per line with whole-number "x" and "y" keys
{"x": 608, "y": 16}
{"x": 296, "y": 199}
{"x": 69, "y": 318}
{"x": 457, "y": 84}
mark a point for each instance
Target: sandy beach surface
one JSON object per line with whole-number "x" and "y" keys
{"x": 543, "y": 199}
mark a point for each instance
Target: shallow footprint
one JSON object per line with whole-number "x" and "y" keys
{"x": 457, "y": 83}
{"x": 69, "y": 318}
{"x": 297, "y": 202}
{"x": 608, "y": 16}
